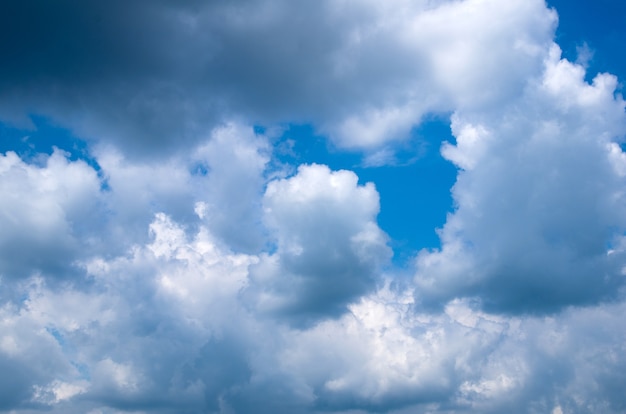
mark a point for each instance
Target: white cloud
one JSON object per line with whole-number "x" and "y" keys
{"x": 539, "y": 198}
{"x": 197, "y": 281}
{"x": 165, "y": 326}
{"x": 236, "y": 160}
{"x": 198, "y": 275}
{"x": 329, "y": 247}
{"x": 45, "y": 211}
{"x": 136, "y": 190}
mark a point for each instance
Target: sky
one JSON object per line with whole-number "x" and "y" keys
{"x": 333, "y": 206}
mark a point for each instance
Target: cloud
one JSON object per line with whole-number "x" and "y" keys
{"x": 222, "y": 178}
{"x": 154, "y": 330}
{"x": 164, "y": 328}
{"x": 184, "y": 269}
{"x": 236, "y": 160}
{"x": 153, "y": 77}
{"x": 329, "y": 247}
{"x": 199, "y": 350}
{"x": 539, "y": 198}
{"x": 46, "y": 211}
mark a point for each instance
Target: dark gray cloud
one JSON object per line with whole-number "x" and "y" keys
{"x": 119, "y": 70}
{"x": 154, "y": 77}
{"x": 15, "y": 388}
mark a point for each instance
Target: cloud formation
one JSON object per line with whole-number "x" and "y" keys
{"x": 329, "y": 249}
{"x": 539, "y": 220}
{"x": 150, "y": 75}
{"x": 45, "y": 212}
{"x": 184, "y": 267}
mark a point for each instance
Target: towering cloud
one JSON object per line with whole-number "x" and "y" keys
{"x": 540, "y": 195}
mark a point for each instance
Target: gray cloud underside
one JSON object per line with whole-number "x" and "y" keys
{"x": 151, "y": 75}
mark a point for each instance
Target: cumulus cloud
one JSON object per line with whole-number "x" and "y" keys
{"x": 539, "y": 198}
{"x": 185, "y": 269}
{"x": 329, "y": 249}
{"x": 219, "y": 181}
{"x": 191, "y": 346}
{"x": 178, "y": 289}
{"x": 45, "y": 211}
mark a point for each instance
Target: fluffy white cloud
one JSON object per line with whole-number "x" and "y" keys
{"x": 539, "y": 196}
{"x": 198, "y": 281}
{"x": 164, "y": 328}
{"x": 45, "y": 213}
{"x": 477, "y": 62}
{"x": 329, "y": 248}
{"x": 178, "y": 290}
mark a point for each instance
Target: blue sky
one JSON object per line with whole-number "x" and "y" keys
{"x": 314, "y": 207}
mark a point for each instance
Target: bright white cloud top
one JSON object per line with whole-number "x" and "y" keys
{"x": 171, "y": 259}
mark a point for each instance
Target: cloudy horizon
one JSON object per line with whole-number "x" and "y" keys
{"x": 336, "y": 206}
